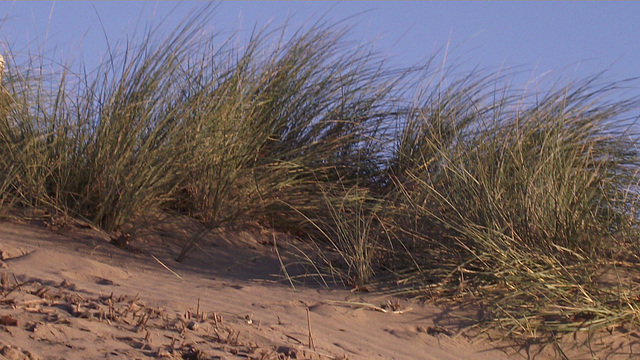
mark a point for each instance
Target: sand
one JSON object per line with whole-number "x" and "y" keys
{"x": 67, "y": 293}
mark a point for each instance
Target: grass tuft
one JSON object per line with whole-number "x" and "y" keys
{"x": 524, "y": 204}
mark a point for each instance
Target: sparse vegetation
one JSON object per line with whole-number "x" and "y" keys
{"x": 462, "y": 189}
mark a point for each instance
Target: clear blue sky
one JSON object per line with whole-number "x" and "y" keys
{"x": 576, "y": 38}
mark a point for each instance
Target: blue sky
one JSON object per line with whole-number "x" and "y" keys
{"x": 574, "y": 39}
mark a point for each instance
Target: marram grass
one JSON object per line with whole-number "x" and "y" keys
{"x": 461, "y": 189}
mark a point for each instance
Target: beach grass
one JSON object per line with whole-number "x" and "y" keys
{"x": 459, "y": 188}
{"x": 522, "y": 207}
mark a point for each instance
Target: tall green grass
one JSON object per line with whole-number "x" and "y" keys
{"x": 517, "y": 200}
{"x": 96, "y": 145}
{"x": 529, "y": 202}
{"x": 219, "y": 133}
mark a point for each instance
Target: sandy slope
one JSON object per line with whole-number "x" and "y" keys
{"x": 71, "y": 295}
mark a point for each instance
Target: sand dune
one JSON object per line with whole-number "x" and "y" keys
{"x": 70, "y": 294}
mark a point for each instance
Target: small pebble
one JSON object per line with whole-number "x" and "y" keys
{"x": 192, "y": 325}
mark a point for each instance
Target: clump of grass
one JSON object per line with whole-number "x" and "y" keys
{"x": 98, "y": 145}
{"x": 283, "y": 127}
{"x": 220, "y": 133}
{"x": 531, "y": 202}
{"x": 350, "y": 225}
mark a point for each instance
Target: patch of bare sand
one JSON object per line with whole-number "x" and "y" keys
{"x": 70, "y": 294}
